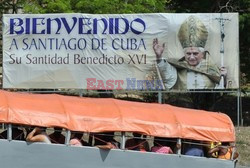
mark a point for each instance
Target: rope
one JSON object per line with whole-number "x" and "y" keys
{"x": 2, "y": 137}
{"x": 135, "y": 146}
{"x": 53, "y": 141}
{"x": 98, "y": 139}
{"x": 22, "y": 133}
{"x": 158, "y": 144}
{"x": 15, "y": 138}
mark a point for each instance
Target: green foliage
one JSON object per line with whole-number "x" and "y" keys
{"x": 47, "y": 6}
{"x": 244, "y": 43}
{"x": 3, "y": 6}
{"x": 94, "y": 6}
{"x": 7, "y": 6}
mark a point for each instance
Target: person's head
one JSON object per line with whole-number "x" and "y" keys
{"x": 193, "y": 55}
{"x": 193, "y": 35}
{"x": 39, "y": 130}
{"x": 75, "y": 142}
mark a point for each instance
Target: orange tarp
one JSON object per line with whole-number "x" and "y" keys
{"x": 106, "y": 114}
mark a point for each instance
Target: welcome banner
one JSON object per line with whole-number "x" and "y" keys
{"x": 121, "y": 51}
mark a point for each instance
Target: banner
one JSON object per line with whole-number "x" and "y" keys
{"x": 121, "y": 51}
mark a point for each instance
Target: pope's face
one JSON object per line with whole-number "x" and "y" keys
{"x": 193, "y": 56}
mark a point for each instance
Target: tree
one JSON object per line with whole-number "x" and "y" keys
{"x": 47, "y": 6}
{"x": 120, "y": 6}
{"x": 94, "y": 6}
{"x": 10, "y": 6}
{"x": 6, "y": 6}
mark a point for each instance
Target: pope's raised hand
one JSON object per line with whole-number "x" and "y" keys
{"x": 158, "y": 49}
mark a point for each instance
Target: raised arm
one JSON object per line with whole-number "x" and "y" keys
{"x": 35, "y": 138}
{"x": 158, "y": 49}
{"x": 108, "y": 146}
{"x": 213, "y": 150}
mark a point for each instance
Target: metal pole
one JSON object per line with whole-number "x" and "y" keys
{"x": 233, "y": 148}
{"x": 159, "y": 97}
{"x": 222, "y": 36}
{"x": 222, "y": 49}
{"x": 123, "y": 141}
{"x": 179, "y": 149}
{"x": 238, "y": 108}
{"x": 80, "y": 92}
{"x": 67, "y": 137}
{"x": 241, "y": 116}
{"x": 9, "y": 132}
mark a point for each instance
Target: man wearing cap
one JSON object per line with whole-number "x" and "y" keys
{"x": 195, "y": 70}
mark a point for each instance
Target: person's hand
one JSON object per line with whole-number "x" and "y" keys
{"x": 223, "y": 71}
{"x": 158, "y": 49}
{"x": 37, "y": 130}
{"x": 108, "y": 146}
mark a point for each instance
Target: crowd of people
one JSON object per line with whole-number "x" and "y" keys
{"x": 136, "y": 141}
